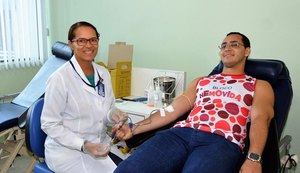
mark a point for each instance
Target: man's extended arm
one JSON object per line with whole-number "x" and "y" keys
{"x": 181, "y": 105}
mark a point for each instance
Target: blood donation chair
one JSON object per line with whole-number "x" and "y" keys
{"x": 13, "y": 114}
{"x": 277, "y": 74}
{"x": 35, "y": 136}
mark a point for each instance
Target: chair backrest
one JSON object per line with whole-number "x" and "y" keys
{"x": 277, "y": 74}
{"x": 36, "y": 87}
{"x": 34, "y": 135}
{"x": 62, "y": 50}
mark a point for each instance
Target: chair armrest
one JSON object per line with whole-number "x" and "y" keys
{"x": 271, "y": 158}
{"x": 137, "y": 140}
{"x": 141, "y": 138}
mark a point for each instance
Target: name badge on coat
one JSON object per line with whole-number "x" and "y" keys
{"x": 101, "y": 89}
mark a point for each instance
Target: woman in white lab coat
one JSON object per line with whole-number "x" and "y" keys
{"x": 78, "y": 102}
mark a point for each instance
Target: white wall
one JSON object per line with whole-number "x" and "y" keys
{"x": 184, "y": 35}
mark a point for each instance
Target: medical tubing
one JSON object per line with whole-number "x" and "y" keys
{"x": 135, "y": 125}
{"x": 293, "y": 163}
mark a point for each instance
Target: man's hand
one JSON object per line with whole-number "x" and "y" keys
{"x": 251, "y": 167}
{"x": 125, "y": 132}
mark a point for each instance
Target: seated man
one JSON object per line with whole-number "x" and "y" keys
{"x": 212, "y": 137}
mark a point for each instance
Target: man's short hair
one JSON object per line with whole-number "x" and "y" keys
{"x": 245, "y": 39}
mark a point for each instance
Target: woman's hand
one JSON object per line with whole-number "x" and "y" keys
{"x": 117, "y": 115}
{"x": 96, "y": 150}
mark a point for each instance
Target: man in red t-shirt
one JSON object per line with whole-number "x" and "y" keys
{"x": 211, "y": 139}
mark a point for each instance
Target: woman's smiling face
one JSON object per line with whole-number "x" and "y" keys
{"x": 85, "y": 44}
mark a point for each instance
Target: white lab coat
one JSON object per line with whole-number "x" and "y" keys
{"x": 74, "y": 112}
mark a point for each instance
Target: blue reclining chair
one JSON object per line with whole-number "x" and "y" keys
{"x": 13, "y": 114}
{"x": 277, "y": 74}
{"x": 35, "y": 137}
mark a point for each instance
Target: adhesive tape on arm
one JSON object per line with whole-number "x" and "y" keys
{"x": 169, "y": 108}
{"x": 162, "y": 112}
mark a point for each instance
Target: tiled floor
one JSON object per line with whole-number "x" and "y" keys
{"x": 19, "y": 166}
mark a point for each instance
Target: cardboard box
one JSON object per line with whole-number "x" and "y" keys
{"x": 120, "y": 68}
{"x": 119, "y": 52}
{"x": 121, "y": 79}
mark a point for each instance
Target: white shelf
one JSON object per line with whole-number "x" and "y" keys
{"x": 136, "y": 110}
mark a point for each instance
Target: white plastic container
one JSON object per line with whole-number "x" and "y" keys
{"x": 157, "y": 97}
{"x": 150, "y": 96}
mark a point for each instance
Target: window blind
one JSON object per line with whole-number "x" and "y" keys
{"x": 23, "y": 33}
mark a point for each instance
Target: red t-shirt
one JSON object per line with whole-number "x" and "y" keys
{"x": 222, "y": 106}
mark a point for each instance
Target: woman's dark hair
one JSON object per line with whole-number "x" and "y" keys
{"x": 245, "y": 39}
{"x": 71, "y": 34}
